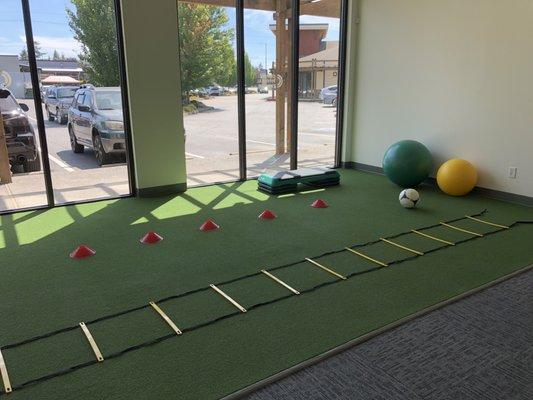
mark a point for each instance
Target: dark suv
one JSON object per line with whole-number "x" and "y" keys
{"x": 95, "y": 121}
{"x": 57, "y": 102}
{"x": 20, "y": 138}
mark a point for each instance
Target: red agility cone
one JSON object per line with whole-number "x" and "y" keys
{"x": 82, "y": 251}
{"x": 209, "y": 225}
{"x": 267, "y": 214}
{"x": 151, "y": 238}
{"x": 319, "y": 203}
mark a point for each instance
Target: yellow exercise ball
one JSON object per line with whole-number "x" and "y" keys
{"x": 456, "y": 177}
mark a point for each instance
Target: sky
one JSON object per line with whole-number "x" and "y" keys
{"x": 51, "y": 30}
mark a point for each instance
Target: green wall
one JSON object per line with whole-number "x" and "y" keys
{"x": 150, "y": 32}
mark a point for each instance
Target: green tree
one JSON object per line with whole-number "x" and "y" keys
{"x": 206, "y": 51}
{"x": 93, "y": 24}
{"x": 250, "y": 72}
{"x": 56, "y": 56}
{"x": 39, "y": 53}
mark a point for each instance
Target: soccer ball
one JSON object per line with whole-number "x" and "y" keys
{"x": 408, "y": 198}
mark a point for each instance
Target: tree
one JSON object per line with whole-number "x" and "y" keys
{"x": 250, "y": 72}
{"x": 56, "y": 56}
{"x": 93, "y": 24}
{"x": 39, "y": 53}
{"x": 206, "y": 51}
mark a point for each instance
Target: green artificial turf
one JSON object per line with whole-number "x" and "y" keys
{"x": 43, "y": 290}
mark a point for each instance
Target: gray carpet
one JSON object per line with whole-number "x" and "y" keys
{"x": 477, "y": 348}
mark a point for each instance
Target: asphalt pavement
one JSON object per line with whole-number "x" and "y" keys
{"x": 211, "y": 151}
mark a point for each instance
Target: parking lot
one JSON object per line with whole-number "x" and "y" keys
{"x": 211, "y": 147}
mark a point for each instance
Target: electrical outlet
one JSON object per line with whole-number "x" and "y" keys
{"x": 512, "y": 172}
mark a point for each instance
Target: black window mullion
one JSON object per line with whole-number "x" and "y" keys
{"x": 125, "y": 99}
{"x": 293, "y": 94}
{"x": 241, "y": 89}
{"x": 341, "y": 83}
{"x": 38, "y": 102}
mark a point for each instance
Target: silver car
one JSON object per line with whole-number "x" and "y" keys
{"x": 328, "y": 95}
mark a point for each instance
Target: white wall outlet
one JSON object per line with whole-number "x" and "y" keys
{"x": 512, "y": 172}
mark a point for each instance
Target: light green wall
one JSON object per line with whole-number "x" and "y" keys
{"x": 454, "y": 74}
{"x": 152, "y": 66}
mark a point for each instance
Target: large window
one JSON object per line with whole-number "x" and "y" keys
{"x": 79, "y": 118}
{"x": 212, "y": 118}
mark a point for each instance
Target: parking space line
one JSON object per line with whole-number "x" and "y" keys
{"x": 60, "y": 163}
{"x": 63, "y": 165}
{"x": 260, "y": 142}
{"x": 194, "y": 155}
{"x": 317, "y": 134}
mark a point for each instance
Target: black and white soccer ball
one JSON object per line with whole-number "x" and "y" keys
{"x": 408, "y": 198}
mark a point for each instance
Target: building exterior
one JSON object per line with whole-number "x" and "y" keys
{"x": 49, "y": 68}
{"x": 10, "y": 75}
{"x": 319, "y": 60}
{"x": 15, "y": 73}
{"x": 319, "y": 70}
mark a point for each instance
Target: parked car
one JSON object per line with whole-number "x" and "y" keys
{"x": 95, "y": 121}
{"x": 329, "y": 95}
{"x": 214, "y": 91}
{"x": 20, "y": 138}
{"x": 44, "y": 89}
{"x": 263, "y": 89}
{"x": 250, "y": 90}
{"x": 57, "y": 102}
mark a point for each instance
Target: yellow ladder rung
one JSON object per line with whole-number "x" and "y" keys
{"x": 228, "y": 298}
{"x": 276, "y": 279}
{"x": 5, "y": 375}
{"x": 432, "y": 237}
{"x": 402, "y": 246}
{"x": 461, "y": 229}
{"x": 92, "y": 342}
{"x": 367, "y": 257}
{"x": 487, "y": 222}
{"x": 326, "y": 269}
{"x": 166, "y": 318}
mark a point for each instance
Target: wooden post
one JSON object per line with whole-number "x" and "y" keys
{"x": 281, "y": 8}
{"x": 5, "y": 170}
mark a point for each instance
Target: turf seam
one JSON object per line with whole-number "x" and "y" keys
{"x": 233, "y": 314}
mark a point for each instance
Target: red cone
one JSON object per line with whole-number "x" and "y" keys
{"x": 151, "y": 238}
{"x": 267, "y": 214}
{"x": 209, "y": 225}
{"x": 319, "y": 203}
{"x": 82, "y": 251}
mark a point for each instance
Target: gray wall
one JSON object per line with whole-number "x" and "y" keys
{"x": 9, "y": 70}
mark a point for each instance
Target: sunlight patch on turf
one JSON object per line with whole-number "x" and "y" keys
{"x": 176, "y": 207}
{"x": 42, "y": 225}
{"x": 231, "y": 200}
{"x": 142, "y": 220}
{"x": 86, "y": 210}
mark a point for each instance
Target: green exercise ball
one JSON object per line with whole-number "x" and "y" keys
{"x": 407, "y": 163}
